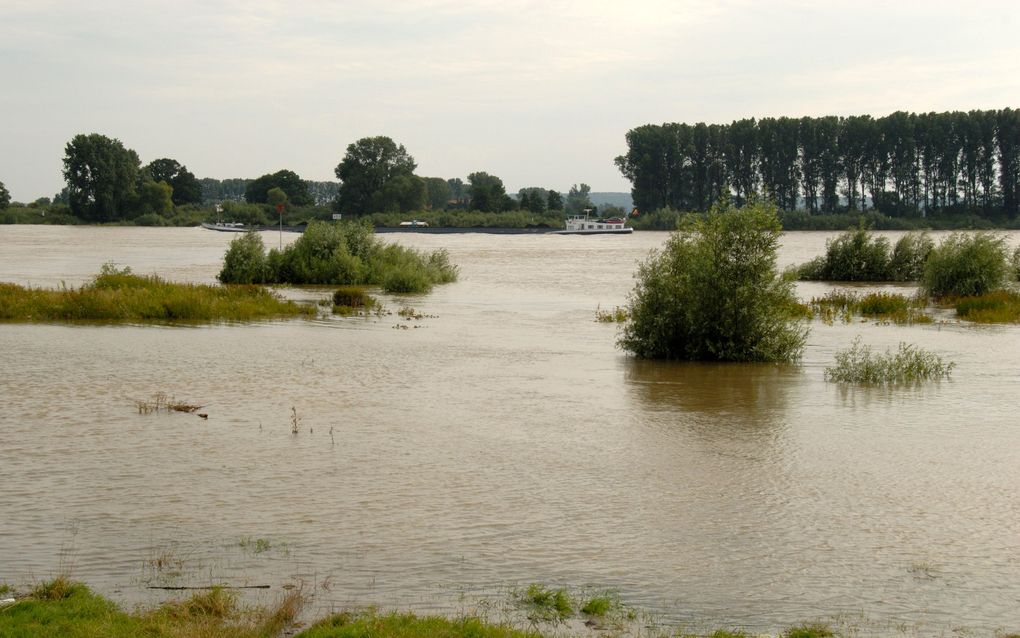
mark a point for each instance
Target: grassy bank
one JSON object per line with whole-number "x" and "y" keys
{"x": 63, "y": 608}
{"x": 120, "y": 296}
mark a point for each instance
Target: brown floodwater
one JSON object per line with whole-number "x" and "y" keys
{"x": 503, "y": 439}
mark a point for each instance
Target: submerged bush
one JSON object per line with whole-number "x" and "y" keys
{"x": 339, "y": 254}
{"x": 857, "y": 255}
{"x": 966, "y": 265}
{"x": 245, "y": 261}
{"x": 713, "y": 293}
{"x": 909, "y": 364}
{"x": 909, "y": 256}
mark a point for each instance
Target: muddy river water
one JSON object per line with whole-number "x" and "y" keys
{"x": 502, "y": 439}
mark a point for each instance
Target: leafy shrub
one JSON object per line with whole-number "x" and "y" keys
{"x": 713, "y": 293}
{"x": 1016, "y": 263}
{"x": 245, "y": 261}
{"x": 966, "y": 265}
{"x": 856, "y": 255}
{"x": 339, "y": 254}
{"x": 909, "y": 364}
{"x": 909, "y": 256}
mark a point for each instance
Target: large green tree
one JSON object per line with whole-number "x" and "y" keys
{"x": 486, "y": 192}
{"x": 102, "y": 177}
{"x": 5, "y": 197}
{"x": 533, "y": 199}
{"x": 287, "y": 181}
{"x": 186, "y": 189}
{"x": 578, "y": 199}
{"x": 369, "y": 164}
{"x": 401, "y": 194}
{"x": 438, "y": 192}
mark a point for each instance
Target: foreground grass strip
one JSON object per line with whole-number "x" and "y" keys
{"x": 67, "y": 609}
{"x": 346, "y": 625}
{"x": 119, "y": 296}
{"x": 859, "y": 364}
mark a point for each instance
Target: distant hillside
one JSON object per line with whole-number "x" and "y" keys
{"x": 622, "y": 200}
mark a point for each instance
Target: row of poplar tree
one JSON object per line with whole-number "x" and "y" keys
{"x": 904, "y": 164}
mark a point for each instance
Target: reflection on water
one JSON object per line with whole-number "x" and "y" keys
{"x": 733, "y": 394}
{"x": 506, "y": 440}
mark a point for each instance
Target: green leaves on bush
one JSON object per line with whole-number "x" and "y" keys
{"x": 966, "y": 265}
{"x": 858, "y": 255}
{"x": 338, "y": 254}
{"x": 909, "y": 364}
{"x": 713, "y": 293}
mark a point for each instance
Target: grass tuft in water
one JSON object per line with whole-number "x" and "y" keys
{"x": 809, "y": 631}
{"x": 883, "y": 306}
{"x": 255, "y": 545}
{"x": 859, "y": 364}
{"x": 999, "y": 306}
{"x": 616, "y": 315}
{"x": 545, "y": 603}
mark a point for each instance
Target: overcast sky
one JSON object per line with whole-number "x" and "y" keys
{"x": 537, "y": 93}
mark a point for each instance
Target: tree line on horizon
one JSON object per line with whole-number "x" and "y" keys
{"x": 902, "y": 165}
{"x": 106, "y": 182}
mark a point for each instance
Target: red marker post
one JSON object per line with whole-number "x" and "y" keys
{"x": 279, "y": 209}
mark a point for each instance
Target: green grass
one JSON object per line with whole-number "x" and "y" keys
{"x": 883, "y": 306}
{"x": 255, "y": 545}
{"x": 859, "y": 364}
{"x": 120, "y": 296}
{"x": 616, "y": 315}
{"x": 545, "y": 603}
{"x": 809, "y": 631}
{"x": 61, "y": 608}
{"x": 999, "y": 306}
{"x": 396, "y": 625}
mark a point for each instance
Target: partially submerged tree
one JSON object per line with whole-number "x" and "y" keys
{"x": 966, "y": 265}
{"x": 714, "y": 293}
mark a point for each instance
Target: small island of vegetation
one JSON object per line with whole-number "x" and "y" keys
{"x": 118, "y": 295}
{"x": 346, "y": 253}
